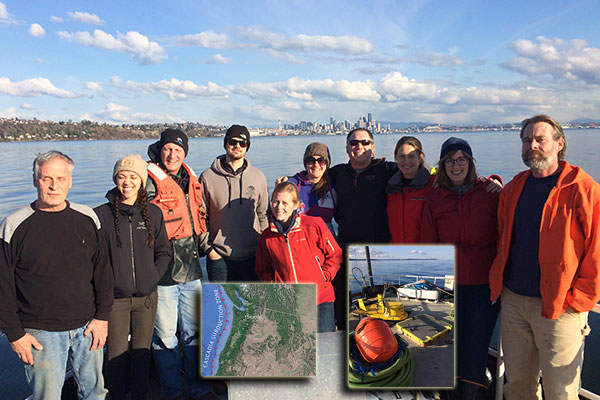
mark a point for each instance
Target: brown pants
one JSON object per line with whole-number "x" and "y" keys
{"x": 133, "y": 316}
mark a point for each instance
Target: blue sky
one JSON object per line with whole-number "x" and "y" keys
{"x": 441, "y": 252}
{"x": 257, "y": 62}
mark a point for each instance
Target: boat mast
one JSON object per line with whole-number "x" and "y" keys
{"x": 369, "y": 269}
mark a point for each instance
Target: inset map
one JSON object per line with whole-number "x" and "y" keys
{"x": 258, "y": 330}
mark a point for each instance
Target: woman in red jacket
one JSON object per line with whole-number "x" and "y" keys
{"x": 298, "y": 248}
{"x": 406, "y": 191}
{"x": 461, "y": 212}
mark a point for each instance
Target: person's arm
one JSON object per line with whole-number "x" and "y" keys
{"x": 331, "y": 250}
{"x": 20, "y": 342}
{"x": 103, "y": 286}
{"x": 585, "y": 292}
{"x": 150, "y": 189}
{"x": 204, "y": 240}
{"x": 162, "y": 246}
{"x": 429, "y": 233}
{"x": 263, "y": 265}
{"x": 263, "y": 205}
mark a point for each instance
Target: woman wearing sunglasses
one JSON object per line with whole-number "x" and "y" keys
{"x": 317, "y": 197}
{"x": 407, "y": 190}
{"x": 462, "y": 212}
{"x": 139, "y": 253}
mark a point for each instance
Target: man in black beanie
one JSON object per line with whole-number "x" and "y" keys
{"x": 236, "y": 199}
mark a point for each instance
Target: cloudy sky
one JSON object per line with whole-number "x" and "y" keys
{"x": 257, "y": 62}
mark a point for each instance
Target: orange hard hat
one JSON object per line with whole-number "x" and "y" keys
{"x": 375, "y": 340}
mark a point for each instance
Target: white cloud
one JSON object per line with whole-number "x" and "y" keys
{"x": 342, "y": 90}
{"x": 298, "y": 88}
{"x": 143, "y": 50}
{"x": 114, "y": 112}
{"x": 280, "y": 55}
{"x": 218, "y": 58}
{"x": 85, "y": 17}
{"x": 300, "y": 96}
{"x": 54, "y": 18}
{"x": 34, "y": 87}
{"x": 5, "y": 16}
{"x": 93, "y": 86}
{"x": 38, "y": 60}
{"x": 209, "y": 39}
{"x": 36, "y": 30}
{"x": 10, "y": 112}
{"x": 567, "y": 60}
{"x": 435, "y": 59}
{"x": 394, "y": 86}
{"x": 302, "y": 42}
{"x": 26, "y": 106}
{"x": 291, "y": 105}
{"x": 175, "y": 89}
{"x": 261, "y": 112}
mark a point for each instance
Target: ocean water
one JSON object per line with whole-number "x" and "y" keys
{"x": 495, "y": 152}
{"x": 390, "y": 270}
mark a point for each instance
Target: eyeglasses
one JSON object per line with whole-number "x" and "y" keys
{"x": 233, "y": 143}
{"x": 364, "y": 142}
{"x": 311, "y": 161}
{"x": 461, "y": 161}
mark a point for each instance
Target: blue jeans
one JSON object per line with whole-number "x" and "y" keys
{"x": 47, "y": 374}
{"x": 325, "y": 317}
{"x": 178, "y": 306}
{"x": 226, "y": 270}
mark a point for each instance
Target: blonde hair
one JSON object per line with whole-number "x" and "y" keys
{"x": 288, "y": 187}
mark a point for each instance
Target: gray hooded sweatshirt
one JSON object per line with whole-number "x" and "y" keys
{"x": 236, "y": 204}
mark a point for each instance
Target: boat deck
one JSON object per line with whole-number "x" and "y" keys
{"x": 434, "y": 363}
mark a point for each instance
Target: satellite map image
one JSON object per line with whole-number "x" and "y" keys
{"x": 258, "y": 330}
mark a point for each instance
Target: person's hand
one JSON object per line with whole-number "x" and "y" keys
{"x": 213, "y": 255}
{"x": 99, "y": 331}
{"x": 281, "y": 179}
{"x": 493, "y": 186}
{"x": 23, "y": 347}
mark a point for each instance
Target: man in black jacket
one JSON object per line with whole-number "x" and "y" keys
{"x": 362, "y": 202}
{"x": 56, "y": 286}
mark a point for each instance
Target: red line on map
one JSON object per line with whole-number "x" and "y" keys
{"x": 223, "y": 330}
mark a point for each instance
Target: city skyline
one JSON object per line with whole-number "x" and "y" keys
{"x": 259, "y": 63}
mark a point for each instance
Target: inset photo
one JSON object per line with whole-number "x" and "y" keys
{"x": 401, "y": 317}
{"x": 264, "y": 330}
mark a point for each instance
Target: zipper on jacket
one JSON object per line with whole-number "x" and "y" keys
{"x": 320, "y": 269}
{"x": 132, "y": 257}
{"x": 287, "y": 241}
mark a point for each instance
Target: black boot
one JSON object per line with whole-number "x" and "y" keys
{"x": 116, "y": 377}
{"x": 140, "y": 373}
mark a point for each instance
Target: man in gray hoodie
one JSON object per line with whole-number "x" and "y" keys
{"x": 236, "y": 200}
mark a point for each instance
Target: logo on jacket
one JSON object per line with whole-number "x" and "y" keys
{"x": 369, "y": 177}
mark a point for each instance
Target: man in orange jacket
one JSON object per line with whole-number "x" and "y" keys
{"x": 547, "y": 268}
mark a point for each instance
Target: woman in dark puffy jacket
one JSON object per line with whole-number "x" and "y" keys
{"x": 139, "y": 253}
{"x": 462, "y": 212}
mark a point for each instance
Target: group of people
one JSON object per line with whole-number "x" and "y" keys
{"x": 129, "y": 273}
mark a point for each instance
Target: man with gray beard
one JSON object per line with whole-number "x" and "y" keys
{"x": 547, "y": 268}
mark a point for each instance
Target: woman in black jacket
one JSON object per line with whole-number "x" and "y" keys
{"x": 139, "y": 253}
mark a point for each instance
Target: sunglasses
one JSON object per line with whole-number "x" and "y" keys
{"x": 311, "y": 161}
{"x": 364, "y": 142}
{"x": 233, "y": 143}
